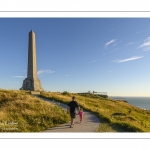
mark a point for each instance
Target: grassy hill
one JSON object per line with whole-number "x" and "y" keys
{"x": 22, "y": 112}
{"x": 115, "y": 115}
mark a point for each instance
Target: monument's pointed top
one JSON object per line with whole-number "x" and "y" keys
{"x": 31, "y": 31}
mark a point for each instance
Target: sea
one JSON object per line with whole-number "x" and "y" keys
{"x": 140, "y": 102}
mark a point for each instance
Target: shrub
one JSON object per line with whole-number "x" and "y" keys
{"x": 66, "y": 93}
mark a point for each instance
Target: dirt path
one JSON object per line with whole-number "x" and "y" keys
{"x": 90, "y": 122}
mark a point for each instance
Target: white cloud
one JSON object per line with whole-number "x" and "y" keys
{"x": 67, "y": 75}
{"x": 18, "y": 76}
{"x": 43, "y": 72}
{"x": 130, "y": 43}
{"x": 141, "y": 32}
{"x": 12, "y": 82}
{"x": 128, "y": 59}
{"x": 146, "y": 49}
{"x": 110, "y": 42}
{"x": 147, "y": 39}
{"x": 146, "y": 45}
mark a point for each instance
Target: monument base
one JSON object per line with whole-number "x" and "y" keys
{"x": 32, "y": 85}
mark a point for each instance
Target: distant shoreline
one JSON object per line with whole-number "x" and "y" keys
{"x": 140, "y": 102}
{"x": 130, "y": 96}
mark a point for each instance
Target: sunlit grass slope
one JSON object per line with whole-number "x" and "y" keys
{"x": 115, "y": 115}
{"x": 22, "y": 112}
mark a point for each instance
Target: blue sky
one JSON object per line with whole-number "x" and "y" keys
{"x": 79, "y": 54}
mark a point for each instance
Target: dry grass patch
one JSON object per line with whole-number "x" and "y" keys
{"x": 22, "y": 112}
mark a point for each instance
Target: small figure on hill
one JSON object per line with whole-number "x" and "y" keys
{"x": 80, "y": 113}
{"x": 71, "y": 109}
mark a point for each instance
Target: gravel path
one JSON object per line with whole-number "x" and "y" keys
{"x": 90, "y": 122}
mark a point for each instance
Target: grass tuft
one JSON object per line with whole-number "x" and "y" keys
{"x": 22, "y": 112}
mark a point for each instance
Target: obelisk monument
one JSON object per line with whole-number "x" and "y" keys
{"x": 32, "y": 83}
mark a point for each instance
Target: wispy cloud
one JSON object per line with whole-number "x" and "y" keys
{"x": 18, "y": 76}
{"x": 110, "y": 42}
{"x": 12, "y": 82}
{"x": 146, "y": 49}
{"x": 67, "y": 75}
{"x": 44, "y": 72}
{"x": 131, "y": 43}
{"x": 138, "y": 32}
{"x": 128, "y": 59}
{"x": 146, "y": 44}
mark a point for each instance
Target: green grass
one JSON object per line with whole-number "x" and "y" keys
{"x": 115, "y": 115}
{"x": 22, "y": 112}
